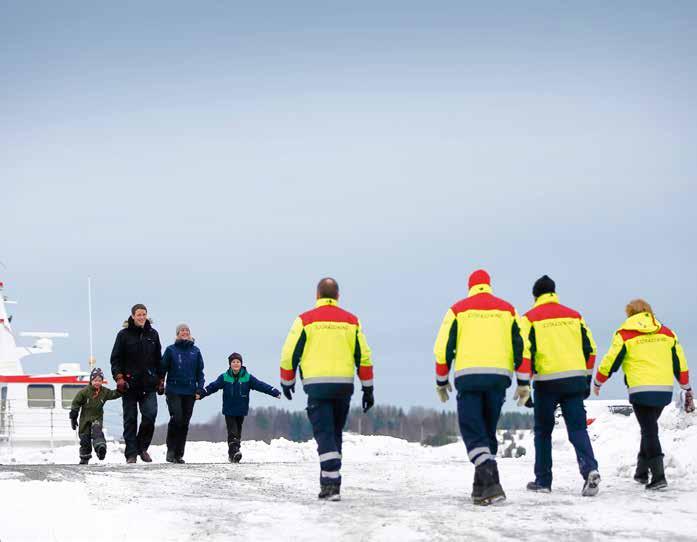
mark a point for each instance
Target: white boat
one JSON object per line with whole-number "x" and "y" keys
{"x": 34, "y": 407}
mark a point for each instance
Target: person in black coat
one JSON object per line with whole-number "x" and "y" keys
{"x": 135, "y": 365}
{"x": 236, "y": 384}
{"x": 183, "y": 364}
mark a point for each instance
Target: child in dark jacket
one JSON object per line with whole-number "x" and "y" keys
{"x": 89, "y": 404}
{"x": 236, "y": 384}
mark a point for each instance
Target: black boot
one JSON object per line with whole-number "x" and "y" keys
{"x": 101, "y": 452}
{"x": 492, "y": 492}
{"x": 538, "y": 488}
{"x": 171, "y": 458}
{"x": 477, "y": 485}
{"x": 84, "y": 460}
{"x": 658, "y": 477}
{"x": 641, "y": 474}
{"x": 329, "y": 492}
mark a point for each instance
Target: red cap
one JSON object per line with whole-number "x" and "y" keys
{"x": 479, "y": 277}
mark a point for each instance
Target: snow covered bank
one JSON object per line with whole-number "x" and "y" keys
{"x": 392, "y": 490}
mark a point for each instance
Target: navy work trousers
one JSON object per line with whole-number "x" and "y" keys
{"x": 328, "y": 417}
{"x": 478, "y": 415}
{"x": 574, "y": 414}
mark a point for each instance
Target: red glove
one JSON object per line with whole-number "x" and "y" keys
{"x": 689, "y": 401}
{"x": 121, "y": 384}
{"x": 161, "y": 387}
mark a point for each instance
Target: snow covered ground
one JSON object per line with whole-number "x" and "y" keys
{"x": 393, "y": 490}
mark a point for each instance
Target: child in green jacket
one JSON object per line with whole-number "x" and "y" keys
{"x": 89, "y": 404}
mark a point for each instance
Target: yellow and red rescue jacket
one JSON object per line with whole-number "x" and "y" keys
{"x": 559, "y": 345}
{"x": 650, "y": 356}
{"x": 482, "y": 336}
{"x": 328, "y": 346}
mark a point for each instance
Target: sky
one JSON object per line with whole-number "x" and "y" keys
{"x": 214, "y": 160}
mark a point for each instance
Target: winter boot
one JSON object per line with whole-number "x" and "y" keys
{"x": 592, "y": 484}
{"x": 658, "y": 477}
{"x": 84, "y": 460}
{"x": 641, "y": 474}
{"x": 145, "y": 456}
{"x": 236, "y": 457}
{"x": 329, "y": 492}
{"x": 171, "y": 458}
{"x": 131, "y": 460}
{"x": 180, "y": 460}
{"x": 492, "y": 492}
{"x": 101, "y": 452}
{"x": 538, "y": 488}
{"x": 477, "y": 485}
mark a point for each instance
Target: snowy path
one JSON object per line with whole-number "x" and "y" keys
{"x": 383, "y": 500}
{"x": 393, "y": 490}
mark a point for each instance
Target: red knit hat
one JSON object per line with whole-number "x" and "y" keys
{"x": 479, "y": 277}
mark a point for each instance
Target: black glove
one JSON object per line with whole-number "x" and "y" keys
{"x": 276, "y": 393}
{"x": 288, "y": 391}
{"x": 73, "y": 419}
{"x": 368, "y": 399}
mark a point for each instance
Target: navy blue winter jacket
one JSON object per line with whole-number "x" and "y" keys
{"x": 183, "y": 363}
{"x": 236, "y": 390}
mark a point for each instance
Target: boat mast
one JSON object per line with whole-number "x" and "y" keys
{"x": 92, "y": 361}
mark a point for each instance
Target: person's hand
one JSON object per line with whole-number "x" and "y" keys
{"x": 689, "y": 401}
{"x": 522, "y": 394}
{"x": 197, "y": 397}
{"x": 596, "y": 389}
{"x": 442, "y": 391}
{"x": 73, "y": 419}
{"x": 121, "y": 384}
{"x": 368, "y": 399}
{"x": 276, "y": 394}
{"x": 288, "y": 391}
{"x": 161, "y": 387}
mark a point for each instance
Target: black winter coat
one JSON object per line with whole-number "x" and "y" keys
{"x": 136, "y": 355}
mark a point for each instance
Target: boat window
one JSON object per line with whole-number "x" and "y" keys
{"x": 68, "y": 393}
{"x": 41, "y": 396}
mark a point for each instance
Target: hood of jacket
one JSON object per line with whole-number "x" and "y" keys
{"x": 131, "y": 324}
{"x": 644, "y": 322}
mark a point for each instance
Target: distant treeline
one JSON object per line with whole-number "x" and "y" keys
{"x": 418, "y": 424}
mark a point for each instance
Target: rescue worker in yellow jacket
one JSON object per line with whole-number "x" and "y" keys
{"x": 562, "y": 352}
{"x": 650, "y": 357}
{"x": 327, "y": 345}
{"x": 480, "y": 336}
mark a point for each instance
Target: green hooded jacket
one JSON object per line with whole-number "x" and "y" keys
{"x": 91, "y": 405}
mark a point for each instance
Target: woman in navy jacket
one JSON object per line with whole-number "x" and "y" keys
{"x": 183, "y": 363}
{"x": 236, "y": 384}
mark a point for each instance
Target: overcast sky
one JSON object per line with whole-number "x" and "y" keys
{"x": 214, "y": 160}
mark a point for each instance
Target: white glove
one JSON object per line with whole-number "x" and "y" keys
{"x": 522, "y": 394}
{"x": 442, "y": 392}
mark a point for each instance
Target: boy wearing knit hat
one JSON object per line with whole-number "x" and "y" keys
{"x": 236, "y": 384}
{"x": 89, "y": 405}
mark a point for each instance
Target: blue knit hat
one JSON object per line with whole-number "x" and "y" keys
{"x": 96, "y": 372}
